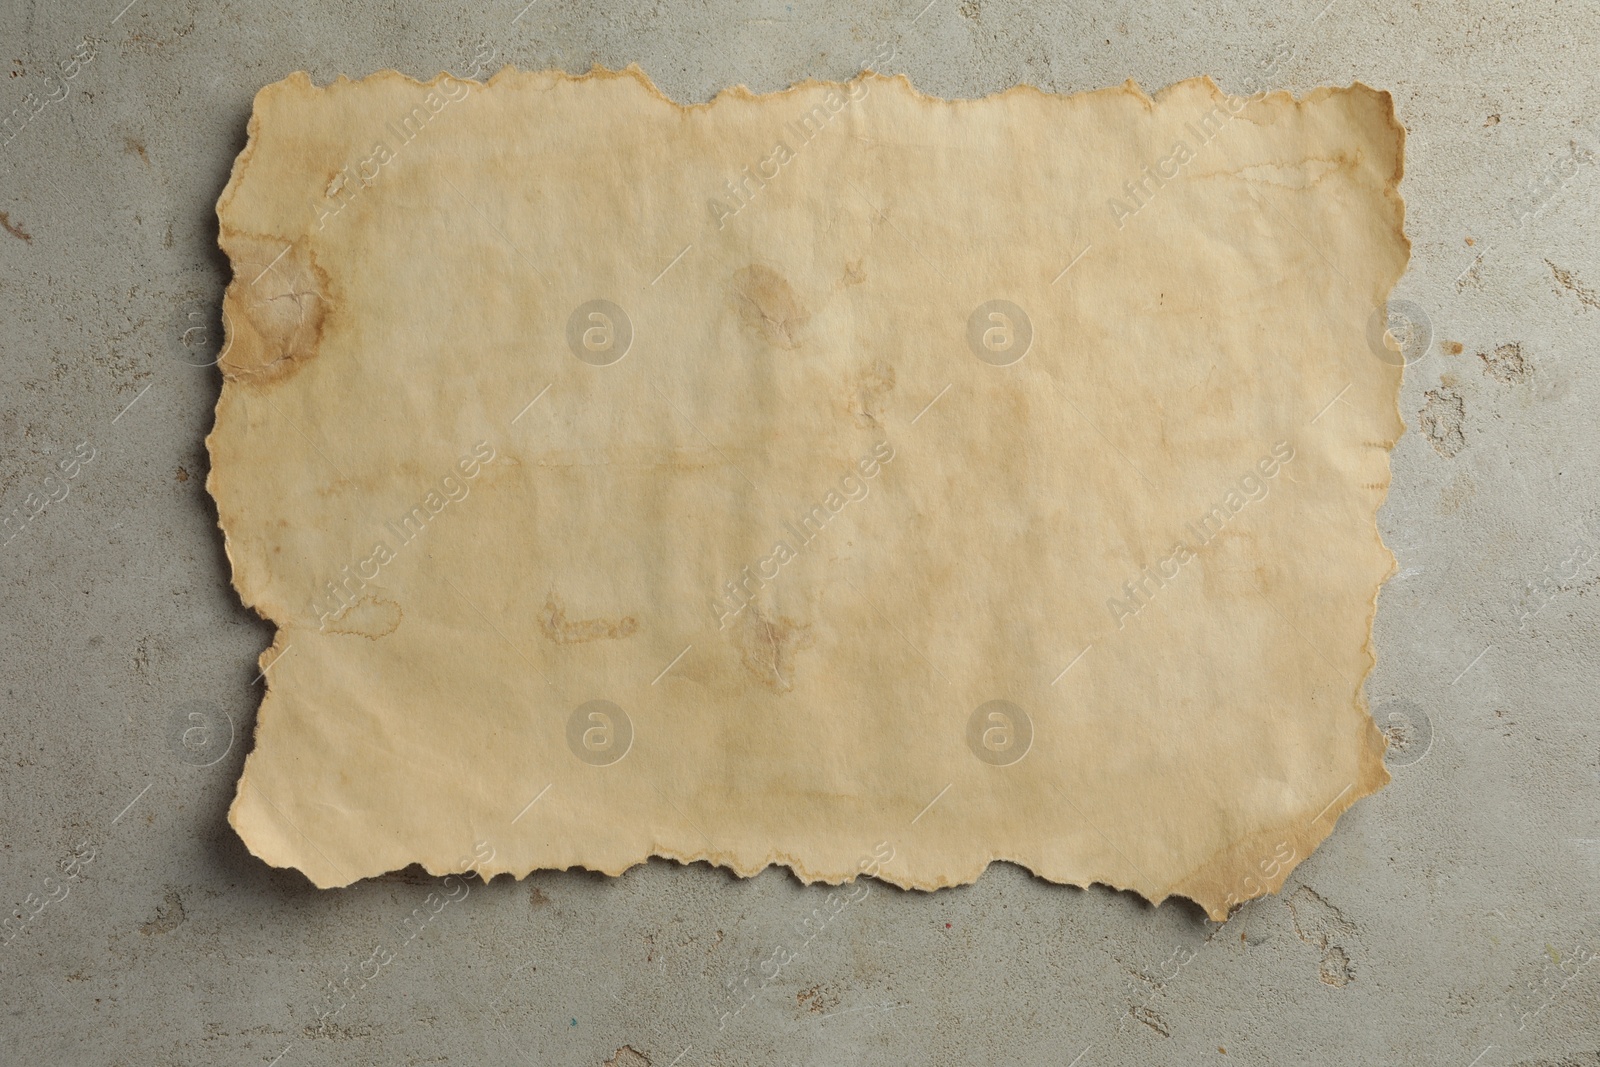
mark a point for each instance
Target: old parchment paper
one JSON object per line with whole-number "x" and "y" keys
{"x": 839, "y": 478}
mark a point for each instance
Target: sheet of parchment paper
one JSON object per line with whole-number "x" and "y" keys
{"x": 839, "y": 478}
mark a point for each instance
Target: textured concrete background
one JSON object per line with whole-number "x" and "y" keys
{"x": 1448, "y": 921}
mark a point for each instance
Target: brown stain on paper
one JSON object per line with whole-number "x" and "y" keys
{"x": 769, "y": 306}
{"x": 556, "y": 627}
{"x": 371, "y": 617}
{"x": 276, "y": 306}
{"x": 768, "y": 647}
{"x": 869, "y": 393}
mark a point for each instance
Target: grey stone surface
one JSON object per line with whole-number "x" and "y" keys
{"x": 1446, "y": 922}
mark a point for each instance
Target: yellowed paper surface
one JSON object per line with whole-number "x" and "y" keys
{"x": 840, "y": 478}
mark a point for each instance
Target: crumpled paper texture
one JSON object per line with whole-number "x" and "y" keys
{"x": 809, "y": 478}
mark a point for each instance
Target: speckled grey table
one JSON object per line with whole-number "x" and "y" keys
{"x": 1448, "y": 921}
